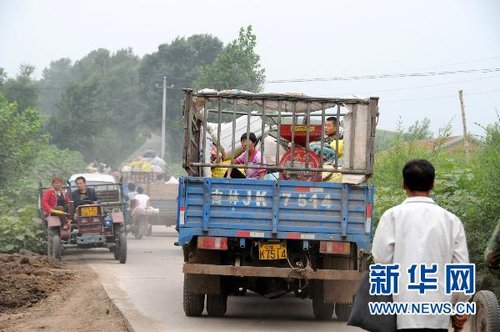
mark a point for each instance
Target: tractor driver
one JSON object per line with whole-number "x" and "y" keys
{"x": 83, "y": 194}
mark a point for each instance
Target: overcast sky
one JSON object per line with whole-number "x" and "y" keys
{"x": 296, "y": 40}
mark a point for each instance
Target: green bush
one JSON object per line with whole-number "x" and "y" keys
{"x": 30, "y": 161}
{"x": 469, "y": 189}
{"x": 19, "y": 229}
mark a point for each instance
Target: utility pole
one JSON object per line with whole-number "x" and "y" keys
{"x": 164, "y": 117}
{"x": 466, "y": 139}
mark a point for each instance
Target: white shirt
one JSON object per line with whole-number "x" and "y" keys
{"x": 131, "y": 195}
{"x": 142, "y": 200}
{"x": 420, "y": 231}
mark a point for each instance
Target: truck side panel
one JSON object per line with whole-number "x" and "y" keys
{"x": 275, "y": 209}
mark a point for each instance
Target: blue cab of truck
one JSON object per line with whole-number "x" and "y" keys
{"x": 304, "y": 227}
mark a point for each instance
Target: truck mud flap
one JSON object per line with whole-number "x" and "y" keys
{"x": 204, "y": 284}
{"x": 339, "y": 291}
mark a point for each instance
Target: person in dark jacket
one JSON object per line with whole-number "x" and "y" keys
{"x": 83, "y": 194}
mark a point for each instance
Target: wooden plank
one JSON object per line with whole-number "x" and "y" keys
{"x": 276, "y": 272}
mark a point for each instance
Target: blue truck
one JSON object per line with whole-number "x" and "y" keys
{"x": 305, "y": 228}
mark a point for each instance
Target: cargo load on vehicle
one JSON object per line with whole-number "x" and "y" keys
{"x": 303, "y": 225}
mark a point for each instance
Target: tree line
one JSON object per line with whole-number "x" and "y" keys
{"x": 106, "y": 104}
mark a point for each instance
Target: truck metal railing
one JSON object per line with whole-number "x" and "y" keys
{"x": 291, "y": 120}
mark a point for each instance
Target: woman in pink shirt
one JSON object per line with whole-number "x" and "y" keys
{"x": 254, "y": 157}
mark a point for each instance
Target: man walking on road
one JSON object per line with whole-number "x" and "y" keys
{"x": 418, "y": 231}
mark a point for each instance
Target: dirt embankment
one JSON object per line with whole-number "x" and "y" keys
{"x": 40, "y": 293}
{"x": 27, "y": 278}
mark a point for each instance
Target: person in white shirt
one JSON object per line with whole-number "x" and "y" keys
{"x": 141, "y": 204}
{"x": 131, "y": 191}
{"x": 142, "y": 198}
{"x": 418, "y": 231}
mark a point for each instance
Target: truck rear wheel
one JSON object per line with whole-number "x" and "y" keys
{"x": 487, "y": 317}
{"x": 321, "y": 310}
{"x": 216, "y": 305}
{"x": 343, "y": 311}
{"x": 193, "y": 303}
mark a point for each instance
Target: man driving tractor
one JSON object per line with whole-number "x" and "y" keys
{"x": 83, "y": 195}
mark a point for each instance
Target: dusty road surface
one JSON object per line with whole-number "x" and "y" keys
{"x": 42, "y": 294}
{"x": 148, "y": 290}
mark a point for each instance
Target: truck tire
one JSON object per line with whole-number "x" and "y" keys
{"x": 193, "y": 303}
{"x": 123, "y": 248}
{"x": 321, "y": 310}
{"x": 487, "y": 317}
{"x": 216, "y": 305}
{"x": 343, "y": 311}
{"x": 56, "y": 247}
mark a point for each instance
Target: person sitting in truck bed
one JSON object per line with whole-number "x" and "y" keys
{"x": 254, "y": 157}
{"x": 332, "y": 131}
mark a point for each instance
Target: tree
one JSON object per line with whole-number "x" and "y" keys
{"x": 22, "y": 89}
{"x": 99, "y": 106}
{"x": 3, "y": 76}
{"x": 54, "y": 80}
{"x": 419, "y": 130}
{"x": 20, "y": 138}
{"x": 80, "y": 117}
{"x": 181, "y": 62}
{"x": 236, "y": 67}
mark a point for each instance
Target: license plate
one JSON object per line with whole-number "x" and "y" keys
{"x": 272, "y": 251}
{"x": 88, "y": 211}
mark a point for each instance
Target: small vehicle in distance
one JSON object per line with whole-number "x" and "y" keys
{"x": 94, "y": 224}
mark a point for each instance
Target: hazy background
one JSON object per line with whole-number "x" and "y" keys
{"x": 296, "y": 40}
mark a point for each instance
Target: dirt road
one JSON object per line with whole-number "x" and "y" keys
{"x": 37, "y": 293}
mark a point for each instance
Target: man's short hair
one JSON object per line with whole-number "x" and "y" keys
{"x": 80, "y": 178}
{"x": 332, "y": 119}
{"x": 140, "y": 190}
{"x": 418, "y": 175}
{"x": 131, "y": 186}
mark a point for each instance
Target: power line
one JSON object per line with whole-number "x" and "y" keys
{"x": 418, "y": 86}
{"x": 440, "y": 97}
{"x": 386, "y": 76}
{"x": 457, "y": 63}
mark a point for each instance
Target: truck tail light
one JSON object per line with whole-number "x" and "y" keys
{"x": 368, "y": 223}
{"x": 335, "y": 247}
{"x": 212, "y": 243}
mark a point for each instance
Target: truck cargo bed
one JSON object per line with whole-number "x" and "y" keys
{"x": 275, "y": 209}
